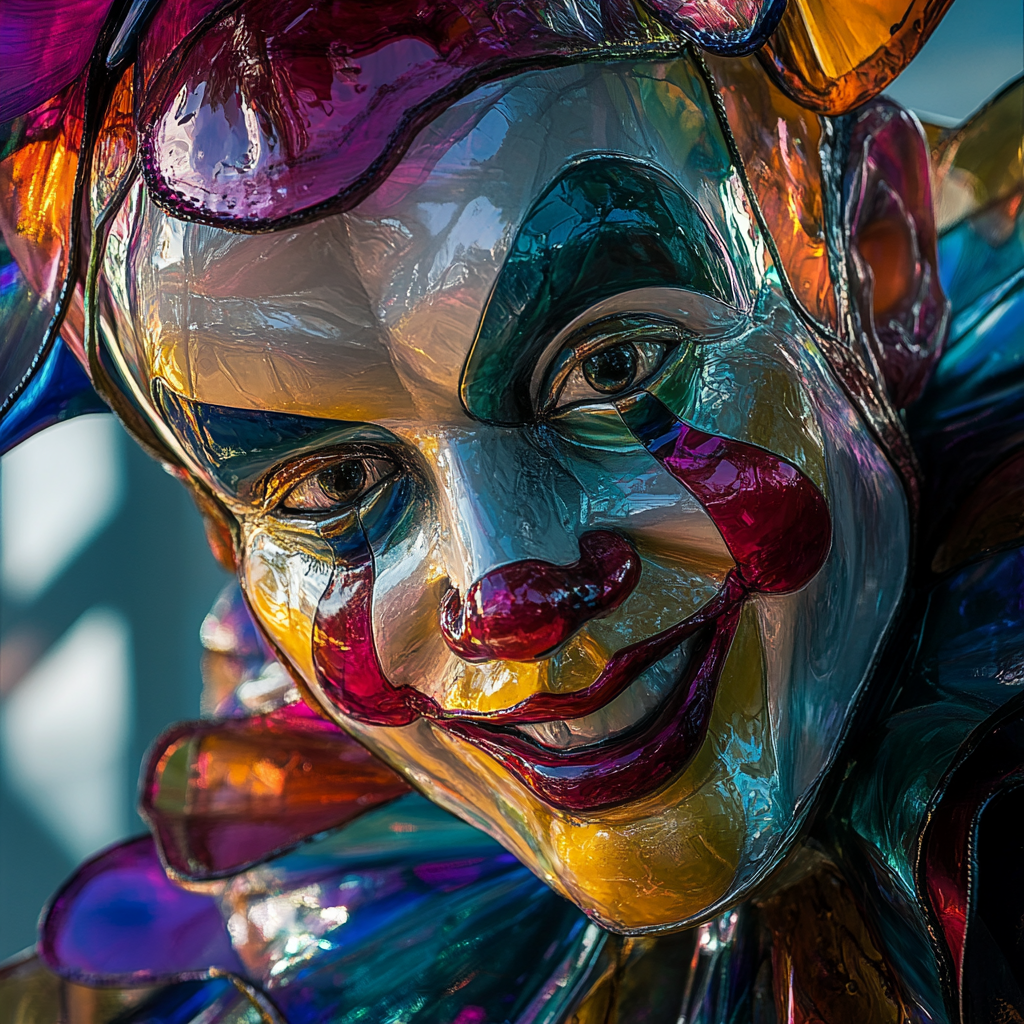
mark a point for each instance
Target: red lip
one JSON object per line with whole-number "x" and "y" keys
{"x": 639, "y": 762}
{"x": 777, "y": 527}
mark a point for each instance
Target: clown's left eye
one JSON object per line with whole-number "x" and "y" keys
{"x": 607, "y": 372}
{"x": 337, "y": 486}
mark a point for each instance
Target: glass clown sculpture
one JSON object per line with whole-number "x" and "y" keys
{"x": 612, "y": 411}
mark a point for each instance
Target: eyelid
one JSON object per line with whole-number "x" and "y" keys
{"x": 316, "y": 500}
{"x": 701, "y": 318}
{"x": 283, "y": 480}
{"x": 606, "y": 333}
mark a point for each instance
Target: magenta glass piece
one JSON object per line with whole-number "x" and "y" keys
{"x": 278, "y": 111}
{"x": 281, "y": 107}
{"x": 44, "y": 46}
{"x": 527, "y": 609}
{"x": 728, "y": 27}
{"x": 888, "y": 186}
{"x": 344, "y": 655}
{"x": 119, "y": 920}
{"x": 169, "y": 24}
{"x": 221, "y": 796}
{"x": 731, "y": 16}
{"x": 774, "y": 521}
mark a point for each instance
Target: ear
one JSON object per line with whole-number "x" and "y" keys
{"x": 222, "y": 533}
{"x": 898, "y": 301}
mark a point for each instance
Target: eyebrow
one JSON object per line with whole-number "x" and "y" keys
{"x": 238, "y": 447}
{"x": 605, "y": 225}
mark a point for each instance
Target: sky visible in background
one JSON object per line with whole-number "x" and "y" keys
{"x": 977, "y": 48}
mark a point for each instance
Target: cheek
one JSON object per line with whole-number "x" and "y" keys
{"x": 410, "y": 580}
{"x": 284, "y": 579}
{"x": 757, "y": 388}
{"x": 642, "y": 864}
{"x": 774, "y": 521}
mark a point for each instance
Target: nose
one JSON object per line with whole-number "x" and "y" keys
{"x": 527, "y": 609}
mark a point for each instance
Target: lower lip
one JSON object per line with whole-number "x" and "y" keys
{"x": 642, "y": 760}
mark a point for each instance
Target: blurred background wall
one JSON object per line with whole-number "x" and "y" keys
{"x": 105, "y": 577}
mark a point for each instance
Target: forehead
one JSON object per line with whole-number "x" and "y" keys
{"x": 370, "y": 315}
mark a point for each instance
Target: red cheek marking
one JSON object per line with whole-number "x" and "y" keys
{"x": 527, "y": 609}
{"x": 347, "y": 667}
{"x": 773, "y": 519}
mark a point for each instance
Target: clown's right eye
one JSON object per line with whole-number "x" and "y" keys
{"x": 608, "y": 359}
{"x": 337, "y": 486}
{"x": 609, "y": 372}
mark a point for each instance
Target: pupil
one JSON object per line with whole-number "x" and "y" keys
{"x": 612, "y": 369}
{"x": 344, "y": 481}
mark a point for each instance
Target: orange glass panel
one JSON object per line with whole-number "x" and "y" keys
{"x": 887, "y": 247}
{"x": 223, "y": 795}
{"x": 115, "y": 144}
{"x": 827, "y": 961}
{"x": 832, "y": 57}
{"x": 778, "y": 141}
{"x": 37, "y": 185}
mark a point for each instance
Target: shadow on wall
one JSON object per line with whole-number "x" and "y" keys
{"x": 104, "y": 579}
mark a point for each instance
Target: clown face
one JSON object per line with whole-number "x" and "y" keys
{"x": 545, "y": 491}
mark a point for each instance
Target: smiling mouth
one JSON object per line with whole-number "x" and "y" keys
{"x": 636, "y": 728}
{"x": 632, "y": 708}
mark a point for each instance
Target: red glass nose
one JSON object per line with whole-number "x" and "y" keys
{"x": 526, "y": 610}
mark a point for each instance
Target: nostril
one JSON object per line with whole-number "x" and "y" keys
{"x": 526, "y": 610}
{"x": 453, "y": 621}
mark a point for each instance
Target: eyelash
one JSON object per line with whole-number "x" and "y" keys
{"x": 644, "y": 348}
{"x": 338, "y": 486}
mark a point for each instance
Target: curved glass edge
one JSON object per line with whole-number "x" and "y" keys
{"x": 59, "y": 391}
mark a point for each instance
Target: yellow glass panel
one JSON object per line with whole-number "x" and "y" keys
{"x": 981, "y": 164}
{"x": 30, "y": 993}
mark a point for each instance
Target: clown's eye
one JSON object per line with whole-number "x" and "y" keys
{"x": 611, "y": 371}
{"x": 337, "y": 486}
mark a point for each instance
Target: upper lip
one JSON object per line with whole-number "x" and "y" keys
{"x": 635, "y": 763}
{"x": 622, "y": 669}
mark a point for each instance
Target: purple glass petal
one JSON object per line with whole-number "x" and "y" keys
{"x": 730, "y": 28}
{"x": 279, "y": 111}
{"x": 44, "y": 46}
{"x": 281, "y": 106}
{"x": 121, "y": 921}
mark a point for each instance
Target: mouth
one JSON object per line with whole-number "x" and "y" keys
{"x": 637, "y": 704}
{"x": 633, "y": 730}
